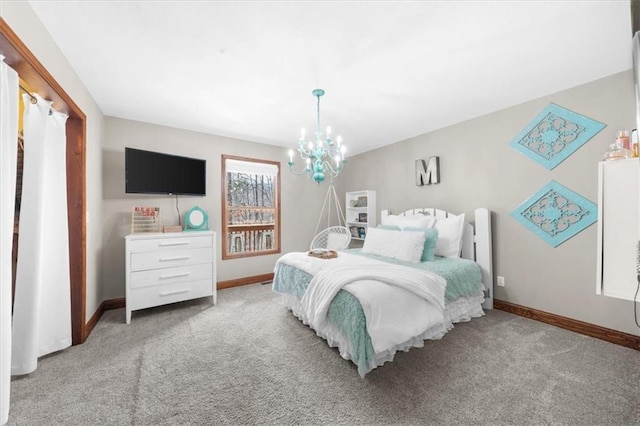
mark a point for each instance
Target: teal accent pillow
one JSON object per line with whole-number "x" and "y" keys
{"x": 430, "y": 242}
{"x": 389, "y": 227}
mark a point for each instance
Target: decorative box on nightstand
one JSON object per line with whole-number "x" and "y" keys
{"x": 168, "y": 268}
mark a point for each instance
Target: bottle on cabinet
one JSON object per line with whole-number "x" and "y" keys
{"x": 621, "y": 148}
{"x": 623, "y": 139}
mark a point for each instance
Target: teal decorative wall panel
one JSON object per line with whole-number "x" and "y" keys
{"x": 554, "y": 135}
{"x": 556, "y": 213}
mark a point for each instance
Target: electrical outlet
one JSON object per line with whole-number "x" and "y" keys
{"x": 500, "y": 281}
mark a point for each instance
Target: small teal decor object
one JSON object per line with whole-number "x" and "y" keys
{"x": 554, "y": 135}
{"x": 196, "y": 219}
{"x": 556, "y": 213}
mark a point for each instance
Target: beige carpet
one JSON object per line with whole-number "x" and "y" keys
{"x": 249, "y": 361}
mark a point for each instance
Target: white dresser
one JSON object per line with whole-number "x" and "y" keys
{"x": 168, "y": 268}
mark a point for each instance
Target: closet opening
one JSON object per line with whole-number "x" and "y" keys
{"x": 18, "y": 198}
{"x": 35, "y": 76}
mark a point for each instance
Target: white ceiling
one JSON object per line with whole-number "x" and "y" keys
{"x": 391, "y": 70}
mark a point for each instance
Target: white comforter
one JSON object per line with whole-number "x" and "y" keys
{"x": 398, "y": 302}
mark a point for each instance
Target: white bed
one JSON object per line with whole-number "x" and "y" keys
{"x": 476, "y": 243}
{"x": 369, "y": 306}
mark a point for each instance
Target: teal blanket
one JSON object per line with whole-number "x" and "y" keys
{"x": 345, "y": 313}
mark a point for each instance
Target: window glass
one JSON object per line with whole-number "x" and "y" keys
{"x": 250, "y": 207}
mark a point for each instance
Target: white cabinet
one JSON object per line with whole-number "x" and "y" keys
{"x": 618, "y": 198}
{"x": 360, "y": 212}
{"x": 168, "y": 268}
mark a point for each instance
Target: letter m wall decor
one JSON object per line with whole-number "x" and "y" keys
{"x": 427, "y": 171}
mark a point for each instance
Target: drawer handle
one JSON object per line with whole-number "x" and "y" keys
{"x": 164, "y": 277}
{"x": 171, "y": 293}
{"x": 175, "y": 243}
{"x": 171, "y": 259}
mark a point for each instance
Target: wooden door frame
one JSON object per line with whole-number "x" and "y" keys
{"x": 36, "y": 76}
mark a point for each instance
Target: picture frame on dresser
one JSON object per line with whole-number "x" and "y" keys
{"x": 145, "y": 219}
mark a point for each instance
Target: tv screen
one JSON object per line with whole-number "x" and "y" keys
{"x": 148, "y": 172}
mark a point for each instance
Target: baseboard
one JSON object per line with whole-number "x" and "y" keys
{"x": 245, "y": 281}
{"x": 89, "y": 326}
{"x": 120, "y": 302}
{"x": 104, "y": 306}
{"x": 602, "y": 333}
{"x": 114, "y": 304}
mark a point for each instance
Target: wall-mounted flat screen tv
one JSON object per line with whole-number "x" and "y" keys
{"x": 148, "y": 172}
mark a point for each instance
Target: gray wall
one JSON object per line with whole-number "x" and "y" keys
{"x": 479, "y": 169}
{"x": 301, "y": 199}
{"x": 24, "y": 22}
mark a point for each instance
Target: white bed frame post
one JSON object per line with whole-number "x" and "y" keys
{"x": 484, "y": 252}
{"x": 476, "y": 243}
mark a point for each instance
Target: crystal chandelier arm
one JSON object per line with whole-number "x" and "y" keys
{"x": 304, "y": 153}
{"x": 306, "y": 170}
{"x": 335, "y": 171}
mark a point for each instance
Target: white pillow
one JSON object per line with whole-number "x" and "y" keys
{"x": 449, "y": 236}
{"x": 406, "y": 245}
{"x": 417, "y": 221}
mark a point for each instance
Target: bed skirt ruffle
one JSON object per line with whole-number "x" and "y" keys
{"x": 460, "y": 310}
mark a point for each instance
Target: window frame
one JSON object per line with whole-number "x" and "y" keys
{"x": 224, "y": 225}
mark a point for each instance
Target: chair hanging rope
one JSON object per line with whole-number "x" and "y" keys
{"x": 332, "y": 237}
{"x": 331, "y": 191}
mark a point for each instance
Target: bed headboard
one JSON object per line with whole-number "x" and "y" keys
{"x": 476, "y": 242}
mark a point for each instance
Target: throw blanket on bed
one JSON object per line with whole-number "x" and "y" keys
{"x": 384, "y": 291}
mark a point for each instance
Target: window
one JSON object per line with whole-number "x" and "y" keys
{"x": 250, "y": 207}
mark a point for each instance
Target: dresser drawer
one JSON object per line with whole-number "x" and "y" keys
{"x": 170, "y": 258}
{"x": 162, "y": 276}
{"x": 168, "y": 293}
{"x": 161, "y": 244}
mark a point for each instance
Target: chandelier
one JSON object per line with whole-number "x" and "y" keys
{"x": 322, "y": 156}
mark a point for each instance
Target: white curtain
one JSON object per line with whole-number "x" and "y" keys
{"x": 42, "y": 306}
{"x": 8, "y": 158}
